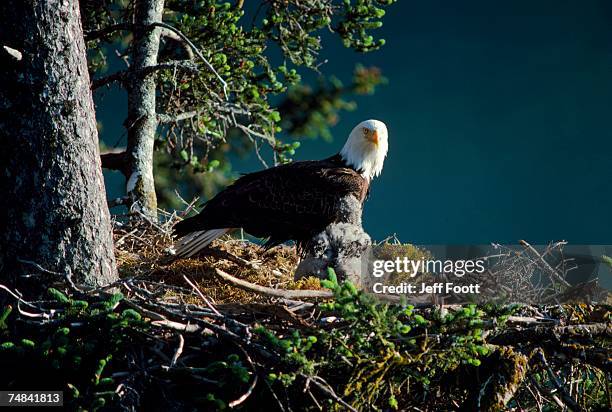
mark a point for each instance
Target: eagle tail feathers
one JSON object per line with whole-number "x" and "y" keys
{"x": 194, "y": 242}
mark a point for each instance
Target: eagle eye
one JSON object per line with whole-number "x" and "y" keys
{"x": 366, "y": 131}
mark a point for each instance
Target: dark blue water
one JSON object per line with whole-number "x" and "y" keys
{"x": 500, "y": 121}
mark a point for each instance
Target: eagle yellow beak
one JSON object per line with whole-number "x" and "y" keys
{"x": 372, "y": 137}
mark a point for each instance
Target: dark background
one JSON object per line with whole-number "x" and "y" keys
{"x": 500, "y": 122}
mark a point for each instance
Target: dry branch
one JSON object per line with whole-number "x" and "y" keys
{"x": 540, "y": 259}
{"x": 115, "y": 161}
{"x": 567, "y": 399}
{"x": 279, "y": 293}
{"x": 125, "y": 75}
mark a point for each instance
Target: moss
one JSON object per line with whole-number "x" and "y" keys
{"x": 510, "y": 371}
{"x": 391, "y": 251}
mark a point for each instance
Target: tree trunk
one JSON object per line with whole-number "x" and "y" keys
{"x": 142, "y": 117}
{"x": 58, "y": 224}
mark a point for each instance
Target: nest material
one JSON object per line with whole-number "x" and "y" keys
{"x": 178, "y": 343}
{"x": 142, "y": 248}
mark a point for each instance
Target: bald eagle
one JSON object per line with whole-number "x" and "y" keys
{"x": 294, "y": 201}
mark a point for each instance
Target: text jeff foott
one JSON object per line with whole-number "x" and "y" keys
{"x": 425, "y": 288}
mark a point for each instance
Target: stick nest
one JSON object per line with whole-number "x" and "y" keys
{"x": 142, "y": 251}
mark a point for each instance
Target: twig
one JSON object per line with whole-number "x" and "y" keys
{"x": 44, "y": 314}
{"x": 228, "y": 108}
{"x": 95, "y": 34}
{"x": 544, "y": 263}
{"x": 166, "y": 118}
{"x": 540, "y": 388}
{"x": 238, "y": 401}
{"x": 196, "y": 50}
{"x": 280, "y": 404}
{"x": 119, "y": 201}
{"x": 30, "y": 314}
{"x": 571, "y": 403}
{"x": 249, "y": 391}
{"x": 201, "y": 295}
{"x": 324, "y": 386}
{"x": 179, "y": 351}
{"x": 223, "y": 254}
{"x": 280, "y": 293}
{"x": 149, "y": 313}
{"x": 145, "y": 71}
{"x": 590, "y": 330}
{"x": 122, "y": 238}
{"x": 192, "y": 372}
{"x": 524, "y": 320}
{"x": 51, "y": 272}
{"x": 181, "y": 327}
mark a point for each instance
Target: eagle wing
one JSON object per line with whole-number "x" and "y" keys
{"x": 291, "y": 201}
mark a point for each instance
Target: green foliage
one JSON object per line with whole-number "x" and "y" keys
{"x": 378, "y": 349}
{"x": 86, "y": 354}
{"x": 72, "y": 353}
{"x": 374, "y": 356}
{"x": 260, "y": 50}
{"x": 57, "y": 295}
{"x": 6, "y": 311}
{"x": 332, "y": 280}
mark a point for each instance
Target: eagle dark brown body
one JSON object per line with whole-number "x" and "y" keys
{"x": 294, "y": 201}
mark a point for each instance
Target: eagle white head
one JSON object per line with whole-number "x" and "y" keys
{"x": 366, "y": 148}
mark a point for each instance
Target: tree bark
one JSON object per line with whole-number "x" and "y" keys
{"x": 57, "y": 224}
{"x": 142, "y": 118}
